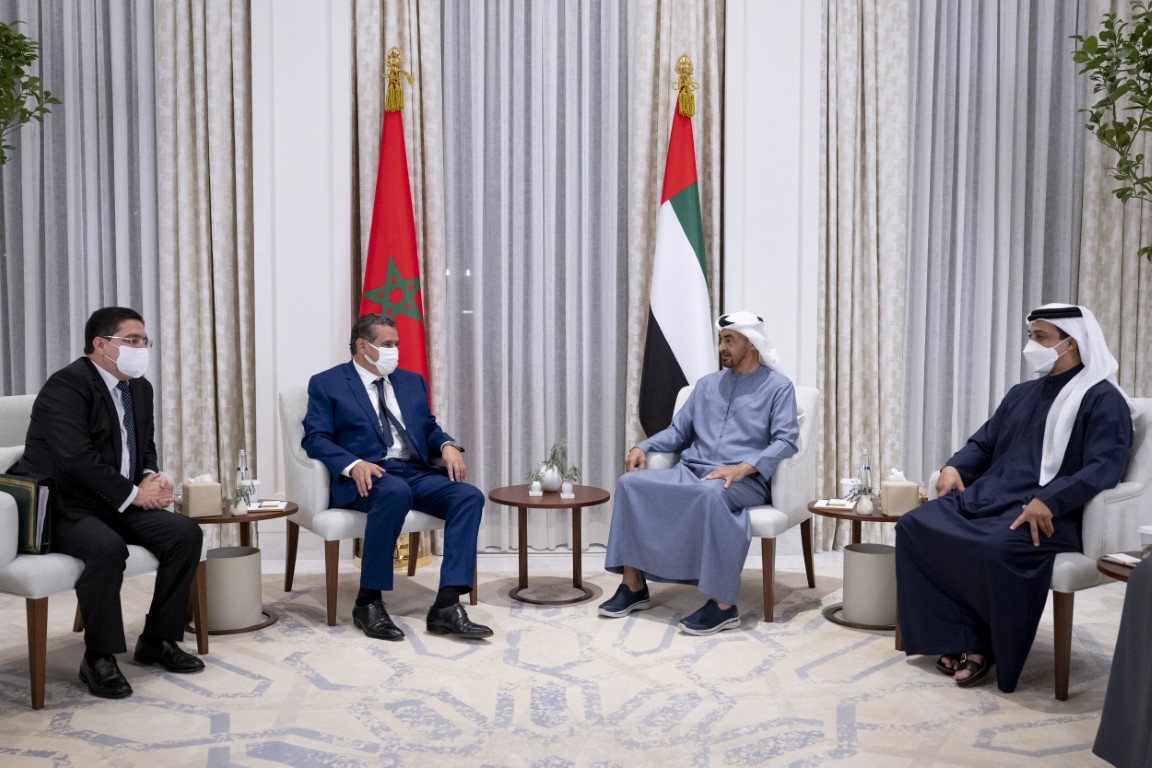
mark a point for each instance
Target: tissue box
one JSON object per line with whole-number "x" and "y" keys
{"x": 898, "y": 497}
{"x": 201, "y": 499}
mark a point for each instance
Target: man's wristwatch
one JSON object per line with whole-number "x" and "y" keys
{"x": 454, "y": 444}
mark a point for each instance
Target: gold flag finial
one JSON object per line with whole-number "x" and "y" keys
{"x": 686, "y": 86}
{"x": 393, "y": 69}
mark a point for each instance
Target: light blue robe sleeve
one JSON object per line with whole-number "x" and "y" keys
{"x": 784, "y": 432}
{"x": 679, "y": 434}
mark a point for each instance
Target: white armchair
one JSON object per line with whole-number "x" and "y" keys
{"x": 793, "y": 486}
{"x": 306, "y": 483}
{"x": 38, "y": 577}
{"x": 1110, "y": 524}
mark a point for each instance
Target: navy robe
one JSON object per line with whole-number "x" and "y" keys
{"x": 965, "y": 582}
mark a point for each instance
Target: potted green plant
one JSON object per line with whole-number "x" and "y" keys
{"x": 1118, "y": 61}
{"x": 554, "y": 471}
{"x": 22, "y": 98}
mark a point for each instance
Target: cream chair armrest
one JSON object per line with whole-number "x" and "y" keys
{"x": 1129, "y": 491}
{"x": 658, "y": 460}
{"x": 9, "y": 528}
{"x": 1112, "y": 519}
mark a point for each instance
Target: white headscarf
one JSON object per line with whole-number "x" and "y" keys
{"x": 1099, "y": 365}
{"x": 751, "y": 327}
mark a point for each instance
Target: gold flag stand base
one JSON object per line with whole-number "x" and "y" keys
{"x": 401, "y": 554}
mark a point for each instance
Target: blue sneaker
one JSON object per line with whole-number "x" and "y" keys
{"x": 625, "y": 601}
{"x": 710, "y": 619}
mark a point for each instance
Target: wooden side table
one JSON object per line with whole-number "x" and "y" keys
{"x": 517, "y": 496}
{"x": 1116, "y": 570}
{"x": 834, "y": 613}
{"x": 247, "y": 524}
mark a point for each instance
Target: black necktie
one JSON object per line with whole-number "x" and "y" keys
{"x": 384, "y": 428}
{"x": 387, "y": 417}
{"x": 129, "y": 426}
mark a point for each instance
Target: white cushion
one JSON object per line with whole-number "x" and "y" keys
{"x": 10, "y": 455}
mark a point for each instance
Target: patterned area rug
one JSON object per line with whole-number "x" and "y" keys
{"x": 557, "y": 686}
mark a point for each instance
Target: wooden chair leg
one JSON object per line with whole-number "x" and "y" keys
{"x": 1062, "y": 603}
{"x": 806, "y": 543}
{"x": 472, "y": 596}
{"x": 290, "y": 554}
{"x": 198, "y": 606}
{"x": 37, "y": 610}
{"x": 899, "y": 638}
{"x": 78, "y": 621}
{"x": 768, "y": 564}
{"x": 331, "y": 567}
{"x": 413, "y": 551}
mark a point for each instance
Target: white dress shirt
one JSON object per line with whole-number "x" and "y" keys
{"x": 111, "y": 381}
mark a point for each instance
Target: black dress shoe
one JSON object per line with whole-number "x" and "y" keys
{"x": 168, "y": 655}
{"x": 376, "y": 622}
{"x": 453, "y": 620}
{"x": 104, "y": 678}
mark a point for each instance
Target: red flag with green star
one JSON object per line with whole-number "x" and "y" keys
{"x": 392, "y": 272}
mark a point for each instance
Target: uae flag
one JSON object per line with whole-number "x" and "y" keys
{"x": 679, "y": 348}
{"x": 392, "y": 272}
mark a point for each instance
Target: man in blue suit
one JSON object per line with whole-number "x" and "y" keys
{"x": 369, "y": 423}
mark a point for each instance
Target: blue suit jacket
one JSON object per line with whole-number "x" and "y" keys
{"x": 341, "y": 424}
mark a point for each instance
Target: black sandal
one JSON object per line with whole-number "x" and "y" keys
{"x": 942, "y": 666}
{"x": 977, "y": 669}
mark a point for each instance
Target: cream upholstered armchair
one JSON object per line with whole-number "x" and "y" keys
{"x": 38, "y": 577}
{"x": 1111, "y": 524}
{"x": 793, "y": 484}
{"x": 306, "y": 484}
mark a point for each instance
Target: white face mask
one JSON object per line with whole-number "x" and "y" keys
{"x": 132, "y": 361}
{"x": 387, "y": 359}
{"x": 1040, "y": 357}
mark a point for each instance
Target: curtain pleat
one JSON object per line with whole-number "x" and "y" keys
{"x": 536, "y": 125}
{"x": 862, "y": 245}
{"x": 204, "y": 141}
{"x": 994, "y": 206}
{"x": 78, "y": 196}
{"x": 1113, "y": 281}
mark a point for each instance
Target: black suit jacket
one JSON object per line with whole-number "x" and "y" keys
{"x": 74, "y": 438}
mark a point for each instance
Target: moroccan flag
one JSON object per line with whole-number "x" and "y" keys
{"x": 392, "y": 273}
{"x": 679, "y": 348}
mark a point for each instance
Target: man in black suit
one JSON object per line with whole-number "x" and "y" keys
{"x": 92, "y": 433}
{"x": 369, "y": 423}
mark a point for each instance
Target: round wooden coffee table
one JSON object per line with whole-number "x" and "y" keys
{"x": 1114, "y": 570}
{"x": 834, "y": 613}
{"x": 247, "y": 523}
{"x": 517, "y": 496}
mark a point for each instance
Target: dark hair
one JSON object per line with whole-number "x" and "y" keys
{"x": 105, "y": 322}
{"x": 364, "y": 328}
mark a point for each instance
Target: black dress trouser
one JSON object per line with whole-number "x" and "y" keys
{"x": 101, "y": 540}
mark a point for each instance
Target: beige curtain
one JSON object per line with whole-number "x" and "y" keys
{"x": 862, "y": 243}
{"x": 663, "y": 31}
{"x": 1113, "y": 281}
{"x": 413, "y": 26}
{"x": 204, "y": 161}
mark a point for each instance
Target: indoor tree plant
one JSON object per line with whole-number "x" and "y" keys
{"x": 1118, "y": 61}
{"x": 22, "y": 97}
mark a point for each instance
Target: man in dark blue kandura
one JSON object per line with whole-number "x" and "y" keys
{"x": 973, "y": 567}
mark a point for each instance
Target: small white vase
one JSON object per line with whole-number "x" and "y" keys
{"x": 240, "y": 508}
{"x": 864, "y": 505}
{"x": 550, "y": 480}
